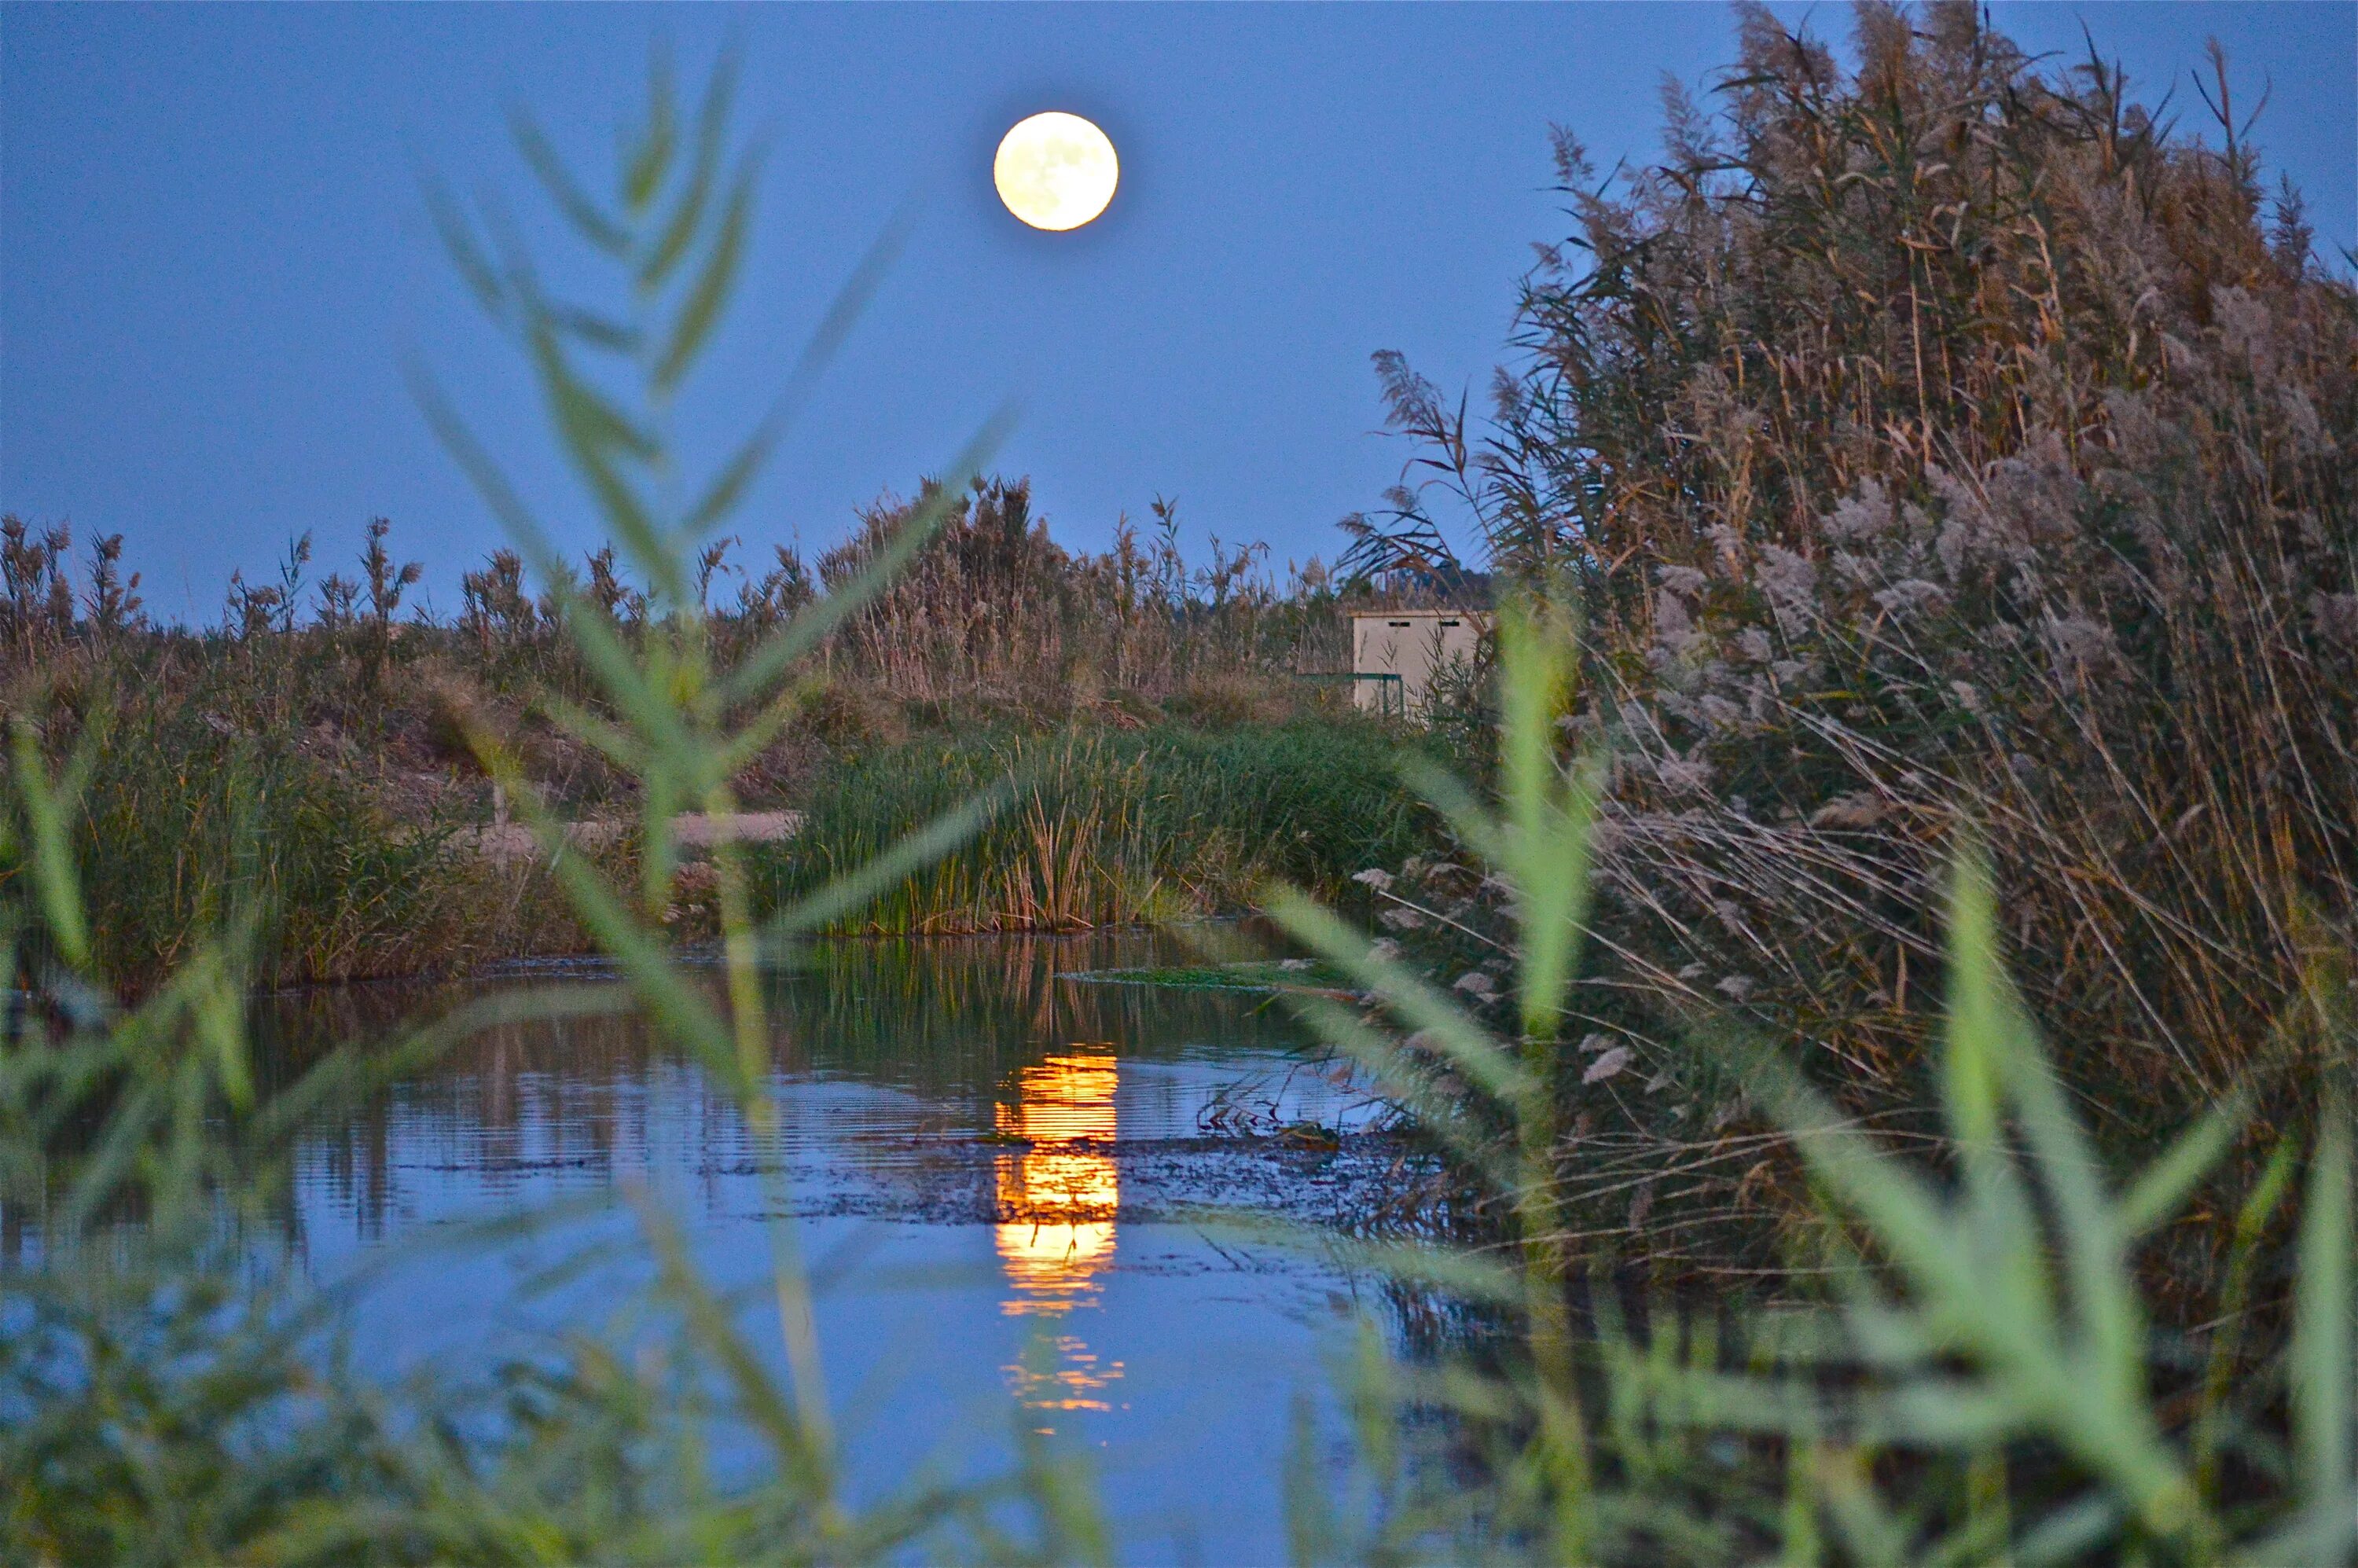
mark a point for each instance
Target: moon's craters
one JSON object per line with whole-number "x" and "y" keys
{"x": 1055, "y": 170}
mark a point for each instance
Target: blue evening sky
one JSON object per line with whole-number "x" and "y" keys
{"x": 213, "y": 253}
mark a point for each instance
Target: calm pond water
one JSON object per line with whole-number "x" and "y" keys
{"x": 995, "y": 1173}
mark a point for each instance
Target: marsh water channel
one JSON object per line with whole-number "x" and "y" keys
{"x": 998, "y": 1165}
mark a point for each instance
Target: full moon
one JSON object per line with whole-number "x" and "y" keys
{"x": 1055, "y": 170}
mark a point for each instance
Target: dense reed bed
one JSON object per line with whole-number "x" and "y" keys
{"x": 1940, "y": 442}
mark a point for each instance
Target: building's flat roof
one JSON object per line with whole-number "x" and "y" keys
{"x": 1408, "y": 614}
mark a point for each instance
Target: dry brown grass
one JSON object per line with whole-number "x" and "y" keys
{"x": 997, "y": 612}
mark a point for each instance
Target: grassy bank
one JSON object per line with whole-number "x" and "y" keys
{"x": 304, "y": 762}
{"x": 188, "y": 828}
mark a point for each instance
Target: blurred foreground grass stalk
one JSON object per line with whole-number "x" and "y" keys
{"x": 161, "y": 1403}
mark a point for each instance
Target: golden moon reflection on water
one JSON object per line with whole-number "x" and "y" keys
{"x": 1055, "y": 170}
{"x": 1056, "y": 1206}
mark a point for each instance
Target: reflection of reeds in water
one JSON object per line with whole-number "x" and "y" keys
{"x": 1058, "y": 1201}
{"x": 968, "y": 1009}
{"x": 949, "y": 1020}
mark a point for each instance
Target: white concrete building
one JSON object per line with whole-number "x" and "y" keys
{"x": 1395, "y": 653}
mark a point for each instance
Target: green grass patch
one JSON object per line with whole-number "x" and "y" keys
{"x": 1270, "y": 975}
{"x": 1109, "y": 827}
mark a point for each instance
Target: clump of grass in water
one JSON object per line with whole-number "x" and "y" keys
{"x": 1107, "y": 828}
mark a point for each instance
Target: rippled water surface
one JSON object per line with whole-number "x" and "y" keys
{"x": 996, "y": 1174}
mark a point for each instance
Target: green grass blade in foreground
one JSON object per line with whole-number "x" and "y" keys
{"x": 349, "y": 1077}
{"x": 1466, "y": 815}
{"x": 591, "y": 429}
{"x": 219, "y": 1022}
{"x": 2226, "y": 1344}
{"x": 709, "y": 293}
{"x": 2064, "y": 1377}
{"x": 45, "y": 804}
{"x": 671, "y": 242}
{"x": 1408, "y": 1084}
{"x": 1549, "y": 816}
{"x": 465, "y": 253}
{"x": 1986, "y": 1044}
{"x": 645, "y": 962}
{"x": 1876, "y": 1538}
{"x": 2069, "y": 1534}
{"x": 619, "y": 746}
{"x": 2160, "y": 1190}
{"x": 1980, "y": 1025}
{"x": 801, "y": 1446}
{"x": 644, "y": 171}
{"x": 593, "y": 633}
{"x": 579, "y": 208}
{"x": 2108, "y": 1418}
{"x": 1905, "y": 1215}
{"x": 590, "y": 421}
{"x": 738, "y": 752}
{"x": 2323, "y": 1364}
{"x": 729, "y": 482}
{"x": 136, "y": 1134}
